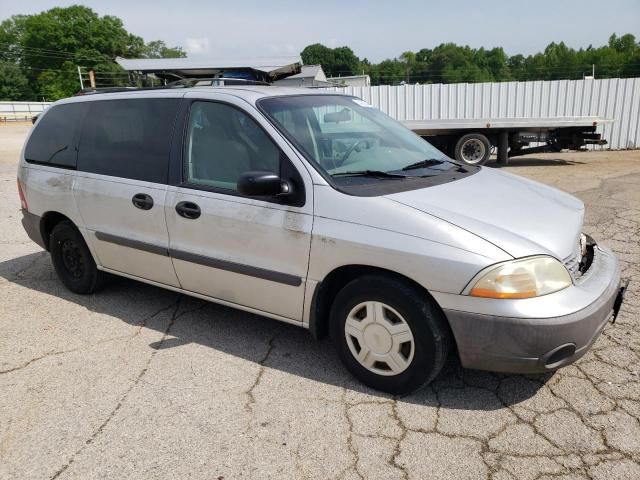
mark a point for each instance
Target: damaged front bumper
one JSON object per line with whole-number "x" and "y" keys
{"x": 536, "y": 334}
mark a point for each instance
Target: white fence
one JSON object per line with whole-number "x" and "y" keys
{"x": 20, "y": 111}
{"x": 614, "y": 98}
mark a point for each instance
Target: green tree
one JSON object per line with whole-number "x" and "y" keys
{"x": 345, "y": 62}
{"x": 317, "y": 54}
{"x": 516, "y": 66}
{"x": 451, "y": 63}
{"x": 447, "y": 63}
{"x": 13, "y": 84}
{"x": 339, "y": 61}
{"x": 410, "y": 63}
{"x": 11, "y": 31}
{"x": 388, "y": 72}
{"x": 497, "y": 62}
{"x": 624, "y": 44}
{"x": 81, "y": 38}
{"x": 49, "y": 46}
{"x": 159, "y": 49}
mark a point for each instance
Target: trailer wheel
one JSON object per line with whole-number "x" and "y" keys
{"x": 473, "y": 149}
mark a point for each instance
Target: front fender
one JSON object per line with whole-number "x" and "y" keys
{"x": 435, "y": 266}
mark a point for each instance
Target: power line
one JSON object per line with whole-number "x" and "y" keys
{"x": 49, "y": 52}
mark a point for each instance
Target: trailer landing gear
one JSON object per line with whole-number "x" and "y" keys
{"x": 503, "y": 149}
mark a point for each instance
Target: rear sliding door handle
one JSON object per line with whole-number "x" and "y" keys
{"x": 142, "y": 201}
{"x": 188, "y": 210}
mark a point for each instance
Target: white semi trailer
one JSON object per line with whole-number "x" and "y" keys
{"x": 472, "y": 140}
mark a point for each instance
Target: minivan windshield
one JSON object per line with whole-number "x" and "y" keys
{"x": 347, "y": 138}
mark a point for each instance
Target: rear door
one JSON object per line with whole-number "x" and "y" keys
{"x": 252, "y": 252}
{"x": 121, "y": 184}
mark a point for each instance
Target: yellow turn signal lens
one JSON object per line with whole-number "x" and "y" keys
{"x": 487, "y": 293}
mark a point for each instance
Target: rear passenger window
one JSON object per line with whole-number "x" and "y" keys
{"x": 128, "y": 138}
{"x": 55, "y": 138}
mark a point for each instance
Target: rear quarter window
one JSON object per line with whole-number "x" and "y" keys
{"x": 54, "y": 140}
{"x": 128, "y": 138}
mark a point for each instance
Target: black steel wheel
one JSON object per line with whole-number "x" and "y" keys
{"x": 72, "y": 260}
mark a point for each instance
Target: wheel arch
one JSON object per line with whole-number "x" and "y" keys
{"x": 326, "y": 290}
{"x": 47, "y": 223}
{"x": 490, "y": 135}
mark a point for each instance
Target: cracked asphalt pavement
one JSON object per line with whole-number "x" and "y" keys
{"x": 140, "y": 382}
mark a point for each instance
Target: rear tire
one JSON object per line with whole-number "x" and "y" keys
{"x": 473, "y": 149}
{"x": 389, "y": 334}
{"x": 72, "y": 260}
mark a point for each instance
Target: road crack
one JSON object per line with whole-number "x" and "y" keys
{"x": 251, "y": 399}
{"x": 123, "y": 398}
{"x": 37, "y": 359}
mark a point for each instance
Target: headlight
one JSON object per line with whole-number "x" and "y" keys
{"x": 526, "y": 278}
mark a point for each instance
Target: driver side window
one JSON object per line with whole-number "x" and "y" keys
{"x": 223, "y": 142}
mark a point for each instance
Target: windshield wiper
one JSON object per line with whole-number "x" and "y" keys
{"x": 368, "y": 173}
{"x": 429, "y": 162}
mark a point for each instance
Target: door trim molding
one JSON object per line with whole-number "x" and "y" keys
{"x": 242, "y": 269}
{"x": 127, "y": 242}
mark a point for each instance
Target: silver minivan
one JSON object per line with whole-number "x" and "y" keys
{"x": 316, "y": 209}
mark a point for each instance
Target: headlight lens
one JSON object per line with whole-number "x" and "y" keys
{"x": 526, "y": 278}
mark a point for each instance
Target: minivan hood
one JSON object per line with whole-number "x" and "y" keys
{"x": 520, "y": 216}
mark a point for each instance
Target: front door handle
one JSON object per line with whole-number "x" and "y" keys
{"x": 142, "y": 201}
{"x": 188, "y": 210}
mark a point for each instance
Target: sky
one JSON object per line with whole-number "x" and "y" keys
{"x": 375, "y": 29}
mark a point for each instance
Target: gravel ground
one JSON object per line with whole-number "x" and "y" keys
{"x": 139, "y": 382}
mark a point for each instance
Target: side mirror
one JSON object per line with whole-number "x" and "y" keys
{"x": 262, "y": 184}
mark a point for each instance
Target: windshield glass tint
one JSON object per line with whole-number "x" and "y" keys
{"x": 344, "y": 136}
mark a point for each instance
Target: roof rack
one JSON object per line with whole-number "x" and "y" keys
{"x": 215, "y": 82}
{"x": 90, "y": 90}
{"x": 182, "y": 83}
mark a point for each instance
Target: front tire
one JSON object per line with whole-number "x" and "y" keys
{"x": 72, "y": 260}
{"x": 389, "y": 334}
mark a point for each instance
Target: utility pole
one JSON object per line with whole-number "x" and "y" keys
{"x": 80, "y": 77}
